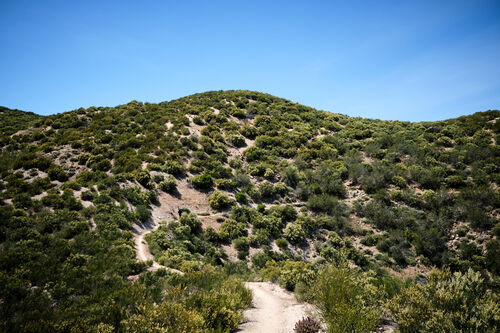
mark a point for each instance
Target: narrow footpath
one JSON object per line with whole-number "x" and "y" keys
{"x": 274, "y": 310}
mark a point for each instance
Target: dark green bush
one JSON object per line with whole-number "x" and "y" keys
{"x": 143, "y": 213}
{"x": 241, "y": 198}
{"x": 192, "y": 221}
{"x": 168, "y": 185}
{"x": 203, "y": 182}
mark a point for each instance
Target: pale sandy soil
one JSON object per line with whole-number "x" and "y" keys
{"x": 274, "y": 310}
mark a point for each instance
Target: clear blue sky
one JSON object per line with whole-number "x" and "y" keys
{"x": 406, "y": 60}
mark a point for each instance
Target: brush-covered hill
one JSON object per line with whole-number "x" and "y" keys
{"x": 228, "y": 186}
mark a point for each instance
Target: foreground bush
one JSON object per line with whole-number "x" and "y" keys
{"x": 458, "y": 302}
{"x": 164, "y": 318}
{"x": 346, "y": 300}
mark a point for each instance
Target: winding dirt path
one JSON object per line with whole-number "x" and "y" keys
{"x": 141, "y": 246}
{"x": 167, "y": 209}
{"x": 274, "y": 310}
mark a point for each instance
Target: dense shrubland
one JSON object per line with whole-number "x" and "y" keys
{"x": 341, "y": 210}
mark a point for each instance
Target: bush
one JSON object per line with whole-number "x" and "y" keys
{"x": 202, "y": 182}
{"x": 236, "y": 140}
{"x": 399, "y": 181}
{"x": 175, "y": 168}
{"x": 241, "y": 244}
{"x": 226, "y": 184}
{"x": 142, "y": 213}
{"x": 266, "y": 190}
{"x": 241, "y": 198}
{"x": 168, "y": 185}
{"x": 458, "y": 302}
{"x": 219, "y": 201}
{"x": 295, "y": 233}
{"x": 294, "y": 272}
{"x": 55, "y": 172}
{"x": 87, "y": 196}
{"x": 307, "y": 325}
{"x": 233, "y": 228}
{"x": 144, "y": 178}
{"x": 164, "y": 317}
{"x": 192, "y": 221}
{"x": 281, "y": 243}
{"x": 345, "y": 300}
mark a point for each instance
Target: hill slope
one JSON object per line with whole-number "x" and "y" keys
{"x": 224, "y": 177}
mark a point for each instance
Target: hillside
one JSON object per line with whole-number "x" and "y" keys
{"x": 145, "y": 217}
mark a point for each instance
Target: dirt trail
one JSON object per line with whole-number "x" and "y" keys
{"x": 274, "y": 310}
{"x": 167, "y": 209}
{"x": 141, "y": 246}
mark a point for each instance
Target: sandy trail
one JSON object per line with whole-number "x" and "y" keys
{"x": 140, "y": 230}
{"x": 167, "y": 209}
{"x": 274, "y": 310}
{"x": 141, "y": 246}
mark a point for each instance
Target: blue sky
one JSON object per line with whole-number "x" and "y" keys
{"x": 404, "y": 60}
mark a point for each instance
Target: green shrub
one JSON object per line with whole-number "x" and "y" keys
{"x": 55, "y": 172}
{"x": 289, "y": 273}
{"x": 458, "y": 302}
{"x": 164, "y": 317}
{"x": 261, "y": 208}
{"x": 241, "y": 244}
{"x": 174, "y": 257}
{"x": 144, "y": 178}
{"x": 175, "y": 168}
{"x": 192, "y": 221}
{"x": 281, "y": 243}
{"x": 168, "y": 185}
{"x": 198, "y": 120}
{"x": 295, "y": 233}
{"x": 225, "y": 184}
{"x": 346, "y": 300}
{"x": 219, "y": 201}
{"x": 233, "y": 228}
{"x": 399, "y": 181}
{"x": 87, "y": 196}
{"x": 158, "y": 178}
{"x": 266, "y": 190}
{"x": 236, "y": 140}
{"x": 202, "y": 182}
{"x": 241, "y": 198}
{"x": 242, "y": 255}
{"x": 142, "y": 213}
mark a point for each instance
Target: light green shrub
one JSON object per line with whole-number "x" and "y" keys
{"x": 458, "y": 302}
{"x": 218, "y": 201}
{"x": 346, "y": 300}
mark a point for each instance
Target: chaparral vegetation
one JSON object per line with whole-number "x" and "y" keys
{"x": 368, "y": 220}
